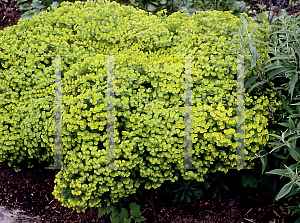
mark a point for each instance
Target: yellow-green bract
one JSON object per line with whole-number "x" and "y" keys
{"x": 149, "y": 97}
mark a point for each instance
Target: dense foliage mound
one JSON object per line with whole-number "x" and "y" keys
{"x": 149, "y": 86}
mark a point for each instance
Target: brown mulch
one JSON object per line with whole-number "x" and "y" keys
{"x": 9, "y": 13}
{"x": 30, "y": 189}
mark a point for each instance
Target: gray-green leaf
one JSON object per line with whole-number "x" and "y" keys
{"x": 151, "y": 8}
{"x": 285, "y": 190}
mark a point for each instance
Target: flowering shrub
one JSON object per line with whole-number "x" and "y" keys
{"x": 149, "y": 97}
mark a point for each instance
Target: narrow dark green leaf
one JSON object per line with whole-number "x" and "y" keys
{"x": 284, "y": 124}
{"x": 280, "y": 172}
{"x": 284, "y": 191}
{"x": 296, "y": 48}
{"x": 291, "y": 173}
{"x": 255, "y": 85}
{"x": 182, "y": 196}
{"x": 294, "y": 154}
{"x": 292, "y": 84}
{"x": 279, "y": 57}
{"x": 250, "y": 81}
{"x": 274, "y": 72}
{"x": 287, "y": 108}
{"x": 264, "y": 161}
{"x": 279, "y": 156}
{"x": 291, "y": 123}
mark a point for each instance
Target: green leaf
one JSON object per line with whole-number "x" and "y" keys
{"x": 284, "y": 124}
{"x": 27, "y": 15}
{"x": 296, "y": 48}
{"x": 224, "y": 186}
{"x": 109, "y": 209}
{"x": 188, "y": 199}
{"x": 115, "y": 219}
{"x": 294, "y": 154}
{"x": 54, "y": 5}
{"x": 288, "y": 109}
{"x": 275, "y": 71}
{"x": 264, "y": 161}
{"x": 115, "y": 212}
{"x": 40, "y": 7}
{"x": 140, "y": 219}
{"x": 20, "y": 1}
{"x": 127, "y": 220}
{"x": 35, "y": 3}
{"x": 292, "y": 84}
{"x": 279, "y": 57}
{"x": 234, "y": 41}
{"x": 25, "y": 7}
{"x": 155, "y": 3}
{"x": 247, "y": 67}
{"x": 284, "y": 191}
{"x": 257, "y": 40}
{"x": 255, "y": 85}
{"x": 101, "y": 212}
{"x": 36, "y": 11}
{"x": 253, "y": 30}
{"x": 151, "y": 8}
{"x": 206, "y": 185}
{"x": 294, "y": 191}
{"x": 262, "y": 17}
{"x": 123, "y": 214}
{"x": 280, "y": 172}
{"x": 182, "y": 196}
{"x": 239, "y": 51}
{"x": 291, "y": 173}
{"x": 249, "y": 180}
{"x": 163, "y": 2}
{"x": 291, "y": 123}
{"x": 245, "y": 24}
{"x": 255, "y": 59}
{"x": 279, "y": 156}
{"x": 252, "y": 48}
{"x": 135, "y": 209}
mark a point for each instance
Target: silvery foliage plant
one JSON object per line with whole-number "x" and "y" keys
{"x": 284, "y": 64}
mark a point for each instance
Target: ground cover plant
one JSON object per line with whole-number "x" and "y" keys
{"x": 274, "y": 113}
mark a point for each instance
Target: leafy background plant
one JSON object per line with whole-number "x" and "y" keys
{"x": 192, "y": 6}
{"x": 119, "y": 214}
{"x": 153, "y": 6}
{"x": 284, "y": 66}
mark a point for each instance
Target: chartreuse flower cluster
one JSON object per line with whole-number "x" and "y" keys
{"x": 149, "y": 101}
